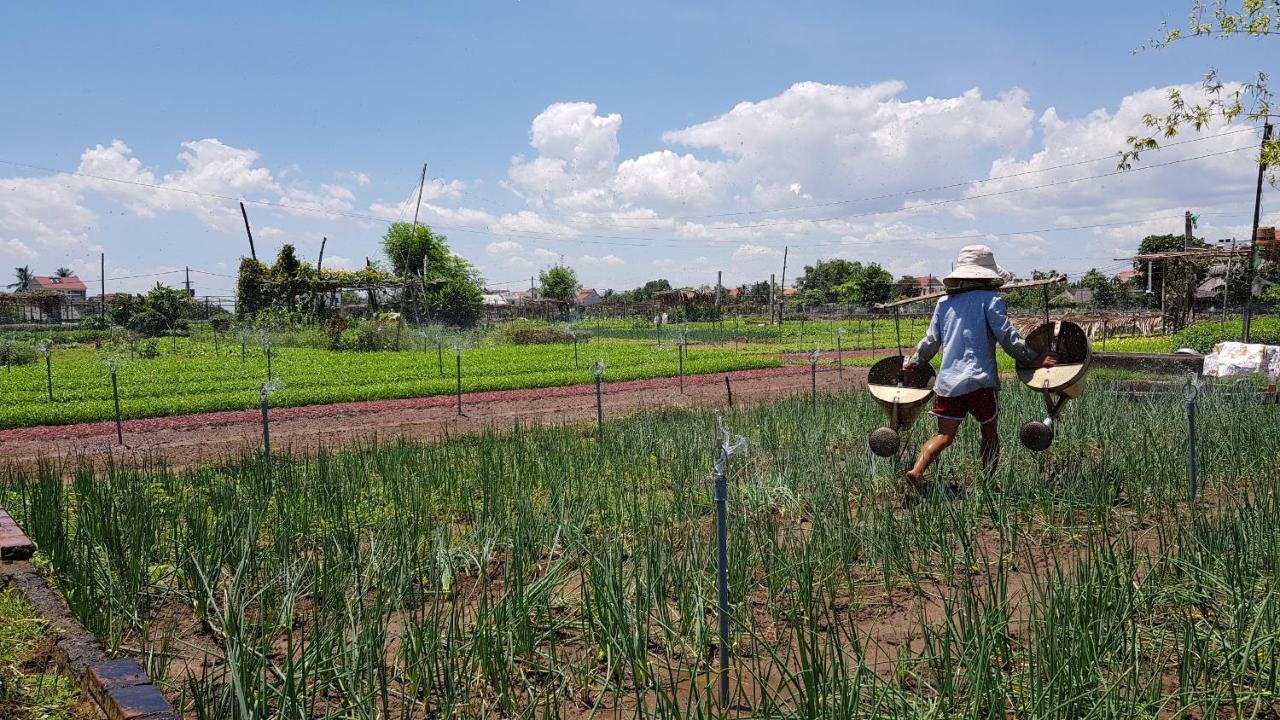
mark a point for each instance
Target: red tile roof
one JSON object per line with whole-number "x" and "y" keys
{"x": 70, "y": 283}
{"x": 1126, "y": 275}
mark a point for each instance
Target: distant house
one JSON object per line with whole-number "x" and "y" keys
{"x": 1074, "y": 296}
{"x": 589, "y": 296}
{"x": 70, "y": 286}
{"x": 927, "y": 284}
{"x": 1126, "y": 275}
{"x": 788, "y": 292}
{"x": 493, "y": 299}
{"x": 515, "y": 297}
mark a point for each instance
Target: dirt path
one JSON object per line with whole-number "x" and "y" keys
{"x": 187, "y": 440}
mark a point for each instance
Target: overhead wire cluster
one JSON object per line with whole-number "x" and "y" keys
{"x": 642, "y": 241}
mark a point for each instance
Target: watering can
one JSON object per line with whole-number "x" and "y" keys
{"x": 1057, "y": 384}
{"x": 902, "y": 394}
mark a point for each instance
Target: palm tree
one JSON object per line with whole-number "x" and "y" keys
{"x": 25, "y": 278}
{"x": 62, "y": 272}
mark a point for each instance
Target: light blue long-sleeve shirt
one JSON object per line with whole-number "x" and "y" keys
{"x": 967, "y": 326}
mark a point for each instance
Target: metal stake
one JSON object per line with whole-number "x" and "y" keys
{"x": 459, "y": 358}
{"x": 680, "y": 353}
{"x": 440, "y": 354}
{"x": 575, "y": 348}
{"x": 266, "y": 427}
{"x": 729, "y": 444}
{"x": 840, "y": 353}
{"x": 813, "y": 379}
{"x": 729, "y": 391}
{"x": 1193, "y": 388}
{"x": 115, "y": 394}
{"x": 722, "y": 578}
{"x": 48, "y": 369}
{"x": 599, "y": 400}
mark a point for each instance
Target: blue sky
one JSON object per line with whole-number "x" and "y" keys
{"x": 609, "y": 134}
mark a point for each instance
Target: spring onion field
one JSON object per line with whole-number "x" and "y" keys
{"x": 197, "y": 376}
{"x": 542, "y": 573}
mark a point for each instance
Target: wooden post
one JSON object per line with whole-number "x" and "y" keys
{"x": 252, "y": 252}
{"x": 1253, "y": 248}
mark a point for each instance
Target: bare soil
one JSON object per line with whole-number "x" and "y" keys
{"x": 188, "y": 440}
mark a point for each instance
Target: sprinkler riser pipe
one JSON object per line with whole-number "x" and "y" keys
{"x": 266, "y": 432}
{"x": 115, "y": 396}
{"x": 722, "y": 578}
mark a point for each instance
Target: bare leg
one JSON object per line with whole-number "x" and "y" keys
{"x": 932, "y": 448}
{"x": 990, "y": 447}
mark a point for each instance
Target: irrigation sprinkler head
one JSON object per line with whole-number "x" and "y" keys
{"x": 813, "y": 356}
{"x": 111, "y": 365}
{"x": 1037, "y": 435}
{"x": 44, "y": 347}
{"x": 885, "y": 442}
{"x": 730, "y": 442}
{"x": 840, "y": 332}
{"x": 599, "y": 369}
{"x": 1192, "y": 389}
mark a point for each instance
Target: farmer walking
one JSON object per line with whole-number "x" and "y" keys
{"x": 967, "y": 323}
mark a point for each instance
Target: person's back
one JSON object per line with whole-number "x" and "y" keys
{"x": 968, "y": 325}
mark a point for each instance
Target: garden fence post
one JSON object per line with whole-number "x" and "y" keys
{"x": 729, "y": 444}
{"x": 458, "y": 353}
{"x": 1192, "y": 389}
{"x": 813, "y": 378}
{"x": 46, "y": 349}
{"x": 599, "y": 400}
{"x": 115, "y": 396}
{"x": 729, "y": 391}
{"x": 440, "y": 354}
{"x": 840, "y": 353}
{"x": 574, "y": 335}
{"x": 680, "y": 354}
{"x": 266, "y": 427}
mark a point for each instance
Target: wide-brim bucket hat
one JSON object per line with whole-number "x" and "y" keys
{"x": 976, "y": 262}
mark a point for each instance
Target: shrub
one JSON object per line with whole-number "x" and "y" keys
{"x": 95, "y": 322}
{"x": 149, "y": 324}
{"x": 12, "y": 353}
{"x": 541, "y": 334}
{"x": 1203, "y": 335}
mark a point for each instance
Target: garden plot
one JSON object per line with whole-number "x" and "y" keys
{"x": 543, "y": 573}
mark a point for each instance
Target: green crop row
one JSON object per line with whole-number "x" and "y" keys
{"x": 191, "y": 377}
{"x": 544, "y": 573}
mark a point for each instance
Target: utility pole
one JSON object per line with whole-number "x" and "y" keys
{"x": 1186, "y": 232}
{"x": 187, "y": 282}
{"x": 719, "y": 287}
{"x": 252, "y": 253}
{"x": 773, "y": 285}
{"x": 1253, "y": 248}
{"x": 102, "y": 275}
{"x": 320, "y": 261}
{"x": 782, "y": 289}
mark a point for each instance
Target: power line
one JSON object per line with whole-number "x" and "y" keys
{"x": 917, "y": 191}
{"x": 635, "y": 240}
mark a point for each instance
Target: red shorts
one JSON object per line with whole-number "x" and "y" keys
{"x": 981, "y": 404}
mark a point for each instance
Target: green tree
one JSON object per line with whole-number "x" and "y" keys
{"x": 433, "y": 275}
{"x": 415, "y": 252}
{"x": 1104, "y": 291}
{"x": 1214, "y": 19}
{"x": 870, "y": 284}
{"x": 25, "y": 279}
{"x": 559, "y": 283}
{"x": 818, "y": 283}
{"x": 62, "y": 272}
{"x": 252, "y": 292}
